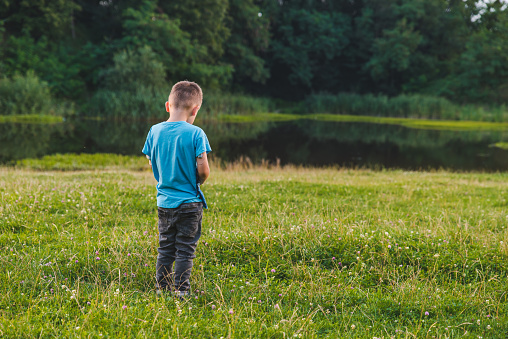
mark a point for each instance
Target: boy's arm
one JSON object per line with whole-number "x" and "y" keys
{"x": 203, "y": 168}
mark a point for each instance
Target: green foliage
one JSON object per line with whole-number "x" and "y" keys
{"x": 415, "y": 106}
{"x": 250, "y": 37}
{"x": 28, "y": 95}
{"x": 144, "y": 103}
{"x": 183, "y": 58}
{"x": 482, "y": 74}
{"x": 393, "y": 50}
{"x": 40, "y": 18}
{"x": 204, "y": 20}
{"x": 297, "y": 251}
{"x": 277, "y": 49}
{"x": 132, "y": 69}
{"x": 310, "y": 44}
{"x": 54, "y": 63}
{"x": 133, "y": 87}
{"x": 216, "y": 103}
{"x": 409, "y": 106}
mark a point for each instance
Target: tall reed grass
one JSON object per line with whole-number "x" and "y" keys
{"x": 406, "y": 106}
{"x": 231, "y": 104}
{"x": 148, "y": 102}
{"x": 145, "y": 102}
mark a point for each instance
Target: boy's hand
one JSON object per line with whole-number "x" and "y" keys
{"x": 202, "y": 167}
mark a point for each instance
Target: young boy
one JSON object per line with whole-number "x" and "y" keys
{"x": 177, "y": 153}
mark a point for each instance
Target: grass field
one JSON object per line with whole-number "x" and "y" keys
{"x": 285, "y": 252}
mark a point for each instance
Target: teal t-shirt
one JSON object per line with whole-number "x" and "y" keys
{"x": 172, "y": 148}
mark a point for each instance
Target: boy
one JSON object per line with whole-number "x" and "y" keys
{"x": 177, "y": 153}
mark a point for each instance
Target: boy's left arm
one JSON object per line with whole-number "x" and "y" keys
{"x": 202, "y": 167}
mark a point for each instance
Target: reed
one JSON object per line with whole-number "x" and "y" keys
{"x": 403, "y": 106}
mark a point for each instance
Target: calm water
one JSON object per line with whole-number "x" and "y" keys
{"x": 305, "y": 142}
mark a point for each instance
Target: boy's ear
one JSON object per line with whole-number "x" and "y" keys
{"x": 167, "y": 106}
{"x": 195, "y": 110}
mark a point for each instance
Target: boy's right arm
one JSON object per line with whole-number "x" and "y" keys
{"x": 203, "y": 168}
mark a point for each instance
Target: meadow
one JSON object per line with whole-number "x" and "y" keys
{"x": 285, "y": 252}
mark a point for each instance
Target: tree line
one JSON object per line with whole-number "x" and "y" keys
{"x": 92, "y": 51}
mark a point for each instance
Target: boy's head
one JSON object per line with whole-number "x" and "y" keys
{"x": 185, "y": 96}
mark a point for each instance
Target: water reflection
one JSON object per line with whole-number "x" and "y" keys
{"x": 307, "y": 142}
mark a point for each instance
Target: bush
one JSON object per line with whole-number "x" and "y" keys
{"x": 26, "y": 95}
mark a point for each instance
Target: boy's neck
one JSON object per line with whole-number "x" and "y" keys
{"x": 176, "y": 116}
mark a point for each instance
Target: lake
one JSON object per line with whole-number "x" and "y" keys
{"x": 300, "y": 142}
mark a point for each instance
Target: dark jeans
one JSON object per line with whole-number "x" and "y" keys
{"x": 179, "y": 232}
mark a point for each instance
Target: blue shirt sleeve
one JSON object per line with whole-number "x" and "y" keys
{"x": 201, "y": 143}
{"x": 147, "y": 149}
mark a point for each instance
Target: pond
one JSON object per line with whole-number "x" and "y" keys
{"x": 300, "y": 142}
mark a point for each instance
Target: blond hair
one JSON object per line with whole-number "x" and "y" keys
{"x": 186, "y": 95}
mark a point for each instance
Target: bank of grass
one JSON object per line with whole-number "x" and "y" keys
{"x": 31, "y": 119}
{"x": 84, "y": 161}
{"x": 453, "y": 125}
{"x": 285, "y": 252}
{"x": 502, "y": 145}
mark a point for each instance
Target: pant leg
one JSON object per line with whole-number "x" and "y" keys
{"x": 188, "y": 219}
{"x": 167, "y": 248}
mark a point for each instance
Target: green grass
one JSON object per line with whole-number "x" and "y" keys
{"x": 31, "y": 118}
{"x": 453, "y": 125}
{"x": 84, "y": 161}
{"x": 285, "y": 252}
{"x": 502, "y": 145}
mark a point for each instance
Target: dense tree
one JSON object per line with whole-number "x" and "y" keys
{"x": 248, "y": 42}
{"x": 280, "y": 48}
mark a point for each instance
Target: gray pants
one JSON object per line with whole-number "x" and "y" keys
{"x": 179, "y": 232}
